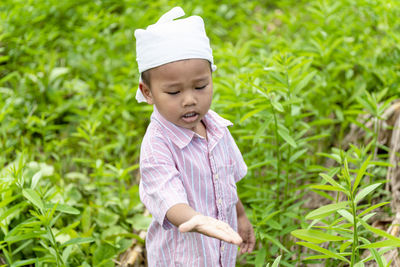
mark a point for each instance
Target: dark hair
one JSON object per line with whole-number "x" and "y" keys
{"x": 146, "y": 77}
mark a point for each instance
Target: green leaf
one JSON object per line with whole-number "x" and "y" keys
{"x": 359, "y": 264}
{"x": 373, "y": 207}
{"x": 139, "y": 222}
{"x": 276, "y": 261}
{"x": 278, "y": 106}
{"x": 346, "y": 172}
{"x": 326, "y": 187}
{"x": 317, "y": 257}
{"x": 78, "y": 240}
{"x": 12, "y": 239}
{"x": 330, "y": 180}
{"x": 326, "y": 210}
{"x": 112, "y": 231}
{"x": 8, "y": 200}
{"x": 323, "y": 251}
{"x": 24, "y": 262}
{"x": 380, "y": 232}
{"x": 360, "y": 173}
{"x": 367, "y": 217}
{"x": 251, "y": 113}
{"x": 298, "y": 154}
{"x": 304, "y": 81}
{"x": 64, "y": 208}
{"x": 35, "y": 179}
{"x": 103, "y": 253}
{"x": 284, "y": 133}
{"x": 365, "y": 192}
{"x": 367, "y": 105}
{"x": 274, "y": 224}
{"x": 268, "y": 217}
{"x": 67, "y": 251}
{"x": 57, "y": 72}
{"x": 347, "y": 215}
{"x": 106, "y": 217}
{"x": 377, "y": 257}
{"x": 315, "y": 236}
{"x": 86, "y": 219}
{"x": 381, "y": 244}
{"x": 345, "y": 245}
{"x": 260, "y": 257}
{"x": 33, "y": 197}
{"x": 381, "y": 163}
{"x": 274, "y": 240}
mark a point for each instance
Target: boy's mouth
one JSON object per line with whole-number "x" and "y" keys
{"x": 190, "y": 117}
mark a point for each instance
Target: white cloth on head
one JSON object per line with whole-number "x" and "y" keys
{"x": 170, "y": 40}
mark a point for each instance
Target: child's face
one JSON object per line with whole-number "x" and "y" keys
{"x": 182, "y": 91}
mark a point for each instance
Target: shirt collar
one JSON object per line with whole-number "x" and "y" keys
{"x": 181, "y": 136}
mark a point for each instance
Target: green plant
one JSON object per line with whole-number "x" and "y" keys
{"x": 344, "y": 223}
{"x": 34, "y": 223}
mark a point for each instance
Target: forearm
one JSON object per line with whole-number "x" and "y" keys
{"x": 240, "y": 209}
{"x": 180, "y": 213}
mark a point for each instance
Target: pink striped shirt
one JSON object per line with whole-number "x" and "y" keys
{"x": 179, "y": 166}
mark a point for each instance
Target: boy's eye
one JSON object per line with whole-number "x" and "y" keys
{"x": 200, "y": 87}
{"x": 173, "y": 93}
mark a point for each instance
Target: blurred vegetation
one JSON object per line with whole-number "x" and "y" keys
{"x": 292, "y": 76}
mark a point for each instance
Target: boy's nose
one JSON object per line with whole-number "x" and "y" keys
{"x": 189, "y": 100}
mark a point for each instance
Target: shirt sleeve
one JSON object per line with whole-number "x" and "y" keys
{"x": 160, "y": 184}
{"x": 241, "y": 167}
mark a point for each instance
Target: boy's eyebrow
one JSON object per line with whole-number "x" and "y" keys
{"x": 201, "y": 79}
{"x": 172, "y": 84}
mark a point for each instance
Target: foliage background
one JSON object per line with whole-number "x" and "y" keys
{"x": 292, "y": 76}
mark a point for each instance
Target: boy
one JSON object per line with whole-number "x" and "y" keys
{"x": 189, "y": 162}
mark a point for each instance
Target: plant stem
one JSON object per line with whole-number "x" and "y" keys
{"x": 278, "y": 157}
{"x": 354, "y": 254}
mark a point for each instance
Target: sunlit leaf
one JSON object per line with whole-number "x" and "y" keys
{"x": 78, "y": 240}
{"x": 323, "y": 251}
{"x": 33, "y": 197}
{"x": 315, "y": 236}
{"x": 63, "y": 208}
{"x": 326, "y": 210}
{"x": 365, "y": 192}
{"x": 361, "y": 172}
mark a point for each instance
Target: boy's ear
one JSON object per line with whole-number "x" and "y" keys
{"x": 146, "y": 92}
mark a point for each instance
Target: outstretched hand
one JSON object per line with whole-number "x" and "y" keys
{"x": 211, "y": 227}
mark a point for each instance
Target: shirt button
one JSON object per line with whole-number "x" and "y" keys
{"x": 222, "y": 248}
{"x": 219, "y": 201}
{"x": 216, "y": 177}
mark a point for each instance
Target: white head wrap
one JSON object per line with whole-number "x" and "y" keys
{"x": 171, "y": 40}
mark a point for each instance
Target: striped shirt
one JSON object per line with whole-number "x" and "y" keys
{"x": 179, "y": 166}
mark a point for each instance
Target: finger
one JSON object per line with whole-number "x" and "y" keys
{"x": 252, "y": 242}
{"x": 246, "y": 248}
{"x": 236, "y": 239}
{"x": 222, "y": 235}
{"x": 241, "y": 246}
{"x": 251, "y": 247}
{"x": 231, "y": 236}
